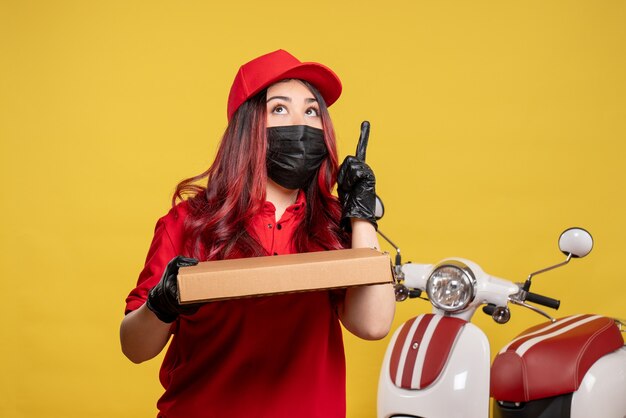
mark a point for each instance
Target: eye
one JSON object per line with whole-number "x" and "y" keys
{"x": 312, "y": 111}
{"x": 279, "y": 110}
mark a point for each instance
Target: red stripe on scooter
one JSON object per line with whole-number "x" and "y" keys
{"x": 543, "y": 328}
{"x": 439, "y": 349}
{"x": 409, "y": 364}
{"x": 397, "y": 348}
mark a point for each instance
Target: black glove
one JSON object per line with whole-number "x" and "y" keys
{"x": 163, "y": 298}
{"x": 356, "y": 185}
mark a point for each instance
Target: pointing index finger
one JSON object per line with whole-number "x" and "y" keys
{"x": 361, "y": 147}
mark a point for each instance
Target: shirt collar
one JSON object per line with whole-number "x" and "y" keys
{"x": 297, "y": 209}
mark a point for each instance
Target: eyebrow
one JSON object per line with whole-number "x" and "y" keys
{"x": 288, "y": 99}
{"x": 285, "y": 98}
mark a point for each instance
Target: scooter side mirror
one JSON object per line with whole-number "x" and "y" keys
{"x": 575, "y": 241}
{"x": 379, "y": 211}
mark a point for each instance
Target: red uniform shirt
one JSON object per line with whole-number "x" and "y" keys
{"x": 275, "y": 356}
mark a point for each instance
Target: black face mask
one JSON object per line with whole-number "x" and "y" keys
{"x": 294, "y": 154}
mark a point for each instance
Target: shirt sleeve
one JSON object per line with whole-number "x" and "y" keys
{"x": 166, "y": 244}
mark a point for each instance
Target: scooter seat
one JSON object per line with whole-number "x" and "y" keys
{"x": 552, "y": 358}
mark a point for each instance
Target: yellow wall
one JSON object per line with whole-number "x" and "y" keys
{"x": 495, "y": 125}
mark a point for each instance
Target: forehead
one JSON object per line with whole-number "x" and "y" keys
{"x": 291, "y": 87}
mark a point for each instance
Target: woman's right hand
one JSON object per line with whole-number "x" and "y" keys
{"x": 356, "y": 185}
{"x": 163, "y": 298}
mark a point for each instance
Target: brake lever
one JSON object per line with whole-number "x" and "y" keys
{"x": 531, "y": 307}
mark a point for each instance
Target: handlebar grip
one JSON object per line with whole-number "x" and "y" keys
{"x": 543, "y": 300}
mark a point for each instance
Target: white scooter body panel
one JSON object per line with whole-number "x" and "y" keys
{"x": 602, "y": 391}
{"x": 462, "y": 389}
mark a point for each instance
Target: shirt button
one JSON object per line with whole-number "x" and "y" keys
{"x": 279, "y": 227}
{"x": 269, "y": 226}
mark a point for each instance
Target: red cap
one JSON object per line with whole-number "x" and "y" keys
{"x": 267, "y": 69}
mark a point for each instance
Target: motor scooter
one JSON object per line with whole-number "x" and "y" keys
{"x": 438, "y": 365}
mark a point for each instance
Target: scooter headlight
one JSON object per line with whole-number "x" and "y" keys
{"x": 451, "y": 286}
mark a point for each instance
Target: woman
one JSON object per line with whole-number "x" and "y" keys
{"x": 273, "y": 356}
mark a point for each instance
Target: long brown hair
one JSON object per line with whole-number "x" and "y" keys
{"x": 235, "y": 190}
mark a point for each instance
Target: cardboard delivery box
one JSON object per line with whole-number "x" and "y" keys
{"x": 224, "y": 279}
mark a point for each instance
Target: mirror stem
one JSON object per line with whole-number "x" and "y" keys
{"x": 398, "y": 256}
{"x": 530, "y": 276}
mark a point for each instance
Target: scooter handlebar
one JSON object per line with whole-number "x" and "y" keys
{"x": 415, "y": 275}
{"x": 543, "y": 300}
